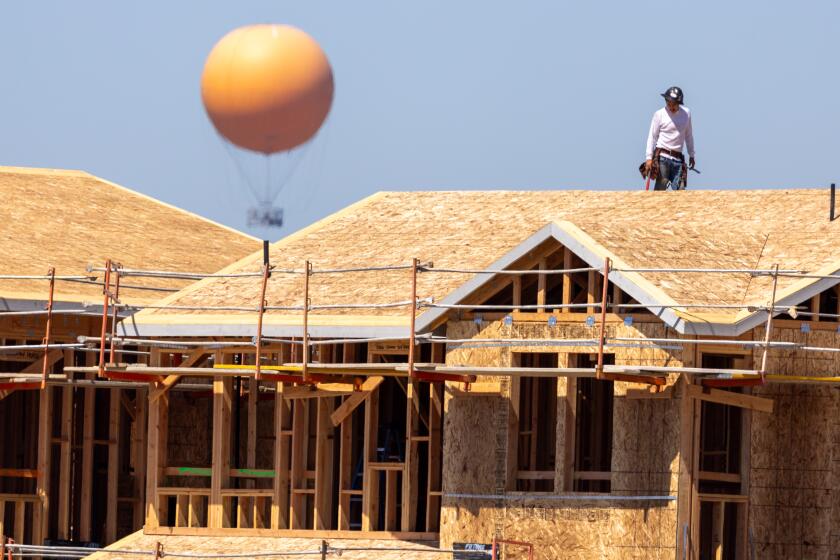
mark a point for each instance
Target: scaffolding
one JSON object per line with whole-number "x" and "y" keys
{"x": 307, "y": 373}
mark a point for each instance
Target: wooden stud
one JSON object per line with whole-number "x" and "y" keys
{"x": 592, "y": 290}
{"x": 513, "y": 434}
{"x": 64, "y": 465}
{"x": 718, "y": 519}
{"x": 156, "y": 444}
{"x": 815, "y": 308}
{"x": 370, "y": 498}
{"x": 541, "y": 286}
{"x": 182, "y": 510}
{"x": 323, "y": 464}
{"x": 87, "y": 454}
{"x": 20, "y": 521}
{"x": 517, "y": 290}
{"x": 567, "y": 280}
{"x": 345, "y": 470}
{"x": 114, "y": 411}
{"x": 391, "y": 499}
{"x": 297, "y": 506}
{"x": 686, "y": 464}
{"x": 41, "y": 515}
{"x": 222, "y": 404}
{"x": 435, "y": 463}
{"x": 251, "y": 437}
{"x": 410, "y": 476}
{"x": 836, "y": 310}
{"x": 282, "y": 448}
{"x": 139, "y": 452}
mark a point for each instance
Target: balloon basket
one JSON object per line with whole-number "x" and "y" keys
{"x": 265, "y": 217}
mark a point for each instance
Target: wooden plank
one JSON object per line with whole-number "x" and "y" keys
{"x": 592, "y": 290}
{"x": 2, "y": 523}
{"x": 718, "y": 518}
{"x": 20, "y": 521}
{"x": 685, "y": 482}
{"x": 297, "y": 506}
{"x": 258, "y": 513}
{"x": 251, "y": 436}
{"x": 141, "y": 400}
{"x": 155, "y": 451}
{"x": 570, "y": 432}
{"x": 195, "y": 510}
{"x": 516, "y": 282}
{"x": 435, "y": 461}
{"x": 345, "y": 469}
{"x": 391, "y": 499}
{"x": 567, "y": 279}
{"x": 302, "y": 533}
{"x": 41, "y": 514}
{"x": 749, "y": 402}
{"x": 114, "y": 409}
{"x": 65, "y": 465}
{"x": 477, "y": 389}
{"x": 324, "y": 451}
{"x": 282, "y": 449}
{"x": 222, "y": 403}
{"x": 182, "y": 507}
{"x": 719, "y": 476}
{"x": 88, "y": 417}
{"x": 19, "y": 473}
{"x": 411, "y": 474}
{"x": 513, "y": 434}
{"x": 370, "y": 498}
{"x": 541, "y": 286}
{"x": 319, "y": 391}
{"x": 355, "y": 399}
{"x": 536, "y": 475}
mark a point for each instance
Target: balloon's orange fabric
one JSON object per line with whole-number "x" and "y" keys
{"x": 267, "y": 88}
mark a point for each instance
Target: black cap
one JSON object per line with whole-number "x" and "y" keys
{"x": 673, "y": 94}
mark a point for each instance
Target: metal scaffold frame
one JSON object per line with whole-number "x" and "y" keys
{"x": 305, "y": 372}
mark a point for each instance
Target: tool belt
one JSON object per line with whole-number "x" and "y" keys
{"x": 654, "y": 167}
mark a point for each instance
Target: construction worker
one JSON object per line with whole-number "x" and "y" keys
{"x": 669, "y": 130}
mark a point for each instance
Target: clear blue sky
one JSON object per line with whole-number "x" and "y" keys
{"x": 429, "y": 95}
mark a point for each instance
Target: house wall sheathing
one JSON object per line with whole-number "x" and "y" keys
{"x": 645, "y": 459}
{"x": 792, "y": 482}
{"x": 794, "y": 509}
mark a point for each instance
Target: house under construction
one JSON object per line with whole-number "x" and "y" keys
{"x": 73, "y": 456}
{"x": 593, "y": 374}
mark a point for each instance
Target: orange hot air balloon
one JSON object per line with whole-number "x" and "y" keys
{"x": 267, "y": 88}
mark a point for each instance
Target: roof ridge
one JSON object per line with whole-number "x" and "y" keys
{"x": 43, "y": 171}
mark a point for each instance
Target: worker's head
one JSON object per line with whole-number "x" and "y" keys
{"x": 673, "y": 98}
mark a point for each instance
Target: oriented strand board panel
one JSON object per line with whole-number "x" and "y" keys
{"x": 260, "y": 546}
{"x": 573, "y": 529}
{"x": 645, "y": 458}
{"x": 707, "y": 229}
{"x": 795, "y": 453}
{"x": 71, "y": 219}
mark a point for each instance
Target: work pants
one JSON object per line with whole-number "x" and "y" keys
{"x": 670, "y": 174}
